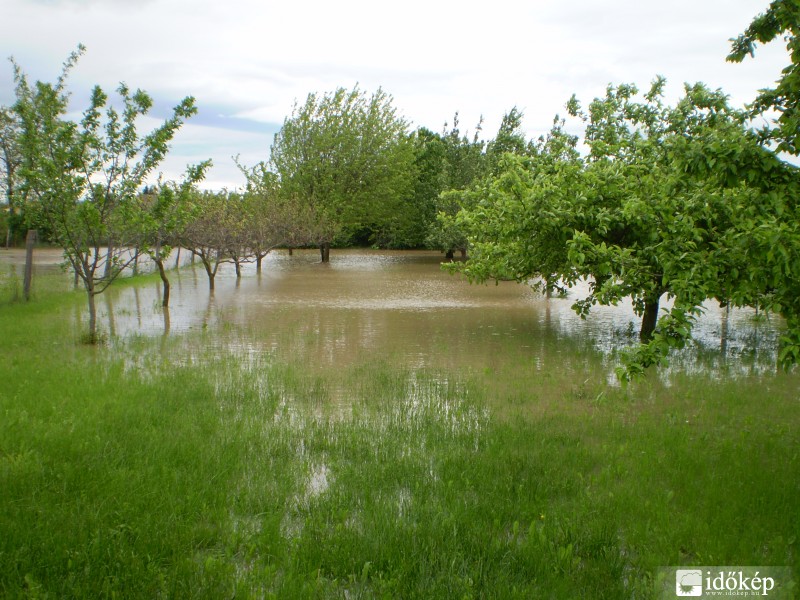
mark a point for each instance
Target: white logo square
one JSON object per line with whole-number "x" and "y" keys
{"x": 688, "y": 582}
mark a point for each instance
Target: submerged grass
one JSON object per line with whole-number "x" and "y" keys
{"x": 222, "y": 478}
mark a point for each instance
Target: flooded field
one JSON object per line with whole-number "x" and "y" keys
{"x": 375, "y": 427}
{"x": 403, "y": 309}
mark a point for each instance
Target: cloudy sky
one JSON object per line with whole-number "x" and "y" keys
{"x": 247, "y": 61}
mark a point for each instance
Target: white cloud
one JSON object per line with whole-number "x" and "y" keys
{"x": 246, "y": 61}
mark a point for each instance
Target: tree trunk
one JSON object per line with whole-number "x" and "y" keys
{"x": 649, "y": 320}
{"x": 166, "y": 320}
{"x": 109, "y": 255}
{"x": 291, "y": 251}
{"x": 259, "y": 258}
{"x": 8, "y": 236}
{"x": 463, "y": 253}
{"x": 178, "y": 258}
{"x": 92, "y": 317}
{"x": 238, "y": 266}
{"x": 209, "y": 271}
{"x": 30, "y": 240}
{"x": 163, "y": 274}
{"x": 450, "y": 254}
{"x": 136, "y": 262}
{"x": 723, "y": 338}
{"x": 112, "y": 324}
{"x": 325, "y": 252}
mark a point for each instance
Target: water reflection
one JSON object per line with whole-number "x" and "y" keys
{"x": 401, "y": 308}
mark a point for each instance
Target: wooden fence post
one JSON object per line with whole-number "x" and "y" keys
{"x": 30, "y": 240}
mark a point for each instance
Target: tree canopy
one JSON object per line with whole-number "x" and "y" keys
{"x": 348, "y": 157}
{"x": 680, "y": 201}
{"x": 81, "y": 179}
{"x": 782, "y": 18}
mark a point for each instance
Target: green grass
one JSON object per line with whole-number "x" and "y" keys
{"x": 221, "y": 479}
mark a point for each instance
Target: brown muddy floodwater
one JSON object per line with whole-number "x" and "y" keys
{"x": 397, "y": 307}
{"x": 403, "y": 309}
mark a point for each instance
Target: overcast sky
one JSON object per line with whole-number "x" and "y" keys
{"x": 247, "y": 61}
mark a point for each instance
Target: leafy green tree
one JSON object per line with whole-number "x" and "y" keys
{"x": 162, "y": 215}
{"x": 208, "y": 235}
{"x": 510, "y": 138}
{"x": 409, "y": 225}
{"x": 238, "y": 219}
{"x": 516, "y": 222}
{"x": 781, "y": 19}
{"x": 669, "y": 200}
{"x": 467, "y": 162}
{"x": 464, "y": 164}
{"x": 10, "y": 161}
{"x": 82, "y": 179}
{"x": 772, "y": 238}
{"x": 348, "y": 158}
{"x": 272, "y": 220}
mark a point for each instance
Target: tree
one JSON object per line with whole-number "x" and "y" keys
{"x": 219, "y": 232}
{"x": 782, "y": 18}
{"x": 516, "y": 219}
{"x": 657, "y": 207}
{"x": 772, "y": 235}
{"x": 82, "y": 179}
{"x": 10, "y": 161}
{"x": 237, "y": 222}
{"x": 348, "y": 158}
{"x": 413, "y": 223}
{"x": 272, "y": 220}
{"x": 464, "y": 163}
{"x": 510, "y": 138}
{"x": 162, "y": 215}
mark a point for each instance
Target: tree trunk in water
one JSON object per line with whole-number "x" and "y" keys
{"x": 291, "y": 251}
{"x": 238, "y": 269}
{"x": 450, "y": 254}
{"x": 723, "y": 338}
{"x": 163, "y": 274}
{"x": 92, "y": 318}
{"x": 136, "y": 262}
{"x": 649, "y": 320}
{"x": 325, "y": 252}
{"x": 112, "y": 324}
{"x": 178, "y": 258}
{"x": 209, "y": 272}
{"x": 30, "y": 240}
{"x": 463, "y": 253}
{"x": 166, "y": 320}
{"x": 259, "y": 258}
{"x": 107, "y": 270}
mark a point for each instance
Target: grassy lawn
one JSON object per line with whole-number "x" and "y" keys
{"x": 217, "y": 478}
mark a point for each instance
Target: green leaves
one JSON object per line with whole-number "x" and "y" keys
{"x": 347, "y": 157}
{"x": 83, "y": 178}
{"x": 782, "y": 19}
{"x": 670, "y": 200}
